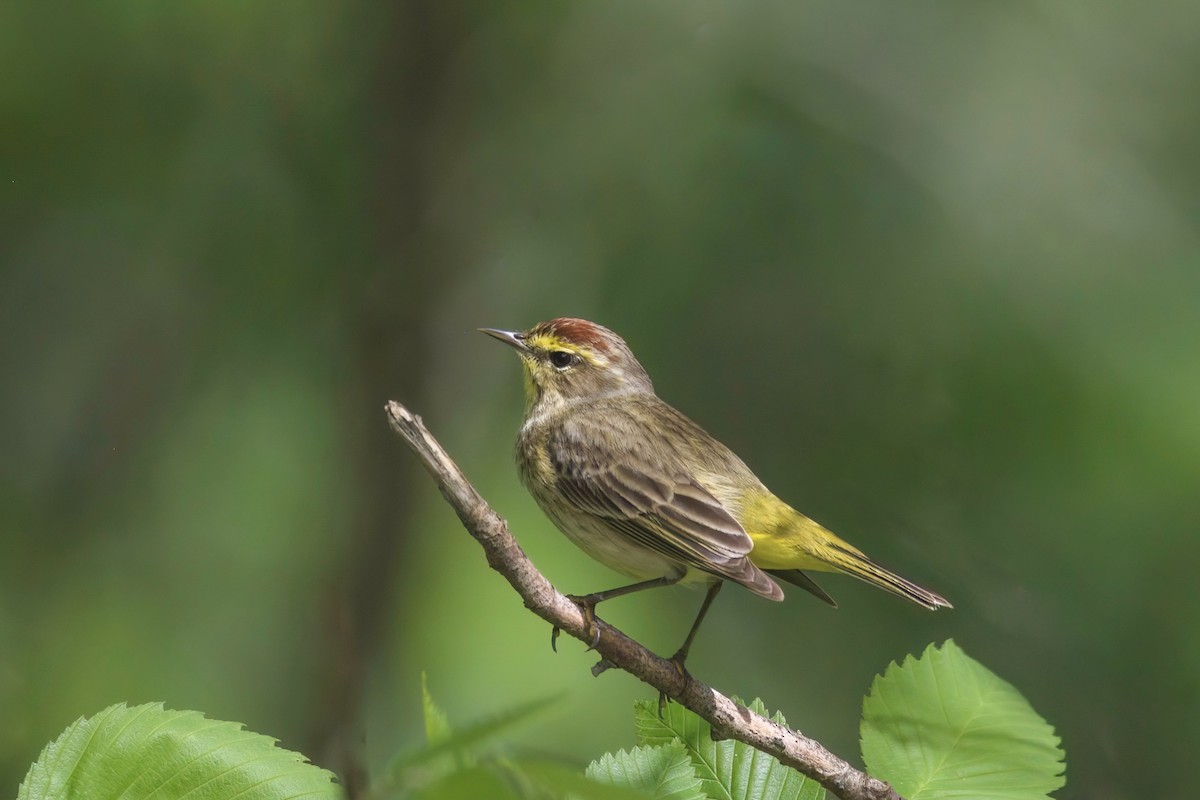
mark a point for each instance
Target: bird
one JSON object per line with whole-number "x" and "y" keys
{"x": 643, "y": 489}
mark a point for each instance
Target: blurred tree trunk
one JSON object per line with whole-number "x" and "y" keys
{"x": 390, "y": 308}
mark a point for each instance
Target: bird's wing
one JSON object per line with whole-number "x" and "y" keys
{"x": 652, "y": 499}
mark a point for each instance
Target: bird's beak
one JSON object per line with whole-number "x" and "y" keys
{"x": 511, "y": 338}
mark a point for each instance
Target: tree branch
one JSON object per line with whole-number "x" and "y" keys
{"x": 728, "y": 719}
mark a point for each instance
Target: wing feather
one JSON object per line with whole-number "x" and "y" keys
{"x": 653, "y": 500}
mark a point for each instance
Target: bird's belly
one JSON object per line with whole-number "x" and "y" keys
{"x": 614, "y": 549}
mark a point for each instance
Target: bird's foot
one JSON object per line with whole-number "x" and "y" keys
{"x": 587, "y": 604}
{"x": 684, "y": 676}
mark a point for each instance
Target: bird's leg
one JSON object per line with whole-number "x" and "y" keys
{"x": 682, "y": 653}
{"x": 587, "y": 603}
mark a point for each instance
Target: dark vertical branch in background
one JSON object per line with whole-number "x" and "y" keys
{"x": 388, "y": 310}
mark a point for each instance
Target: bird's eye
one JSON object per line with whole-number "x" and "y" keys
{"x": 561, "y": 359}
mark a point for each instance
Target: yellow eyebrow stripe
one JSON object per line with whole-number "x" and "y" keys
{"x": 547, "y": 342}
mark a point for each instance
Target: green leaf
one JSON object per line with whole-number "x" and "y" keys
{"x": 540, "y": 778}
{"x": 437, "y": 724}
{"x": 472, "y": 782}
{"x": 728, "y": 770}
{"x": 465, "y": 743}
{"x": 944, "y": 726}
{"x": 505, "y": 779}
{"x": 663, "y": 771}
{"x": 144, "y": 751}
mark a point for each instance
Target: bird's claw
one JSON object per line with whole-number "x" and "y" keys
{"x": 677, "y": 662}
{"x": 587, "y": 604}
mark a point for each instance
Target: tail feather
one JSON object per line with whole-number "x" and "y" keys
{"x": 798, "y": 578}
{"x": 863, "y": 568}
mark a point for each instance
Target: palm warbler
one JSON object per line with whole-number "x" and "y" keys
{"x": 646, "y": 491}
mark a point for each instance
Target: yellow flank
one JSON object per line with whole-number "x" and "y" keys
{"x": 786, "y": 539}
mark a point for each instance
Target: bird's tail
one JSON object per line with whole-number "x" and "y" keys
{"x": 855, "y": 563}
{"x": 786, "y": 542}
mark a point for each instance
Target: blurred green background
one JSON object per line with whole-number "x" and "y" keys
{"x": 932, "y": 269}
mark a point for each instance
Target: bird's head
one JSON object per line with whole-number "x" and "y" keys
{"x": 568, "y": 359}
